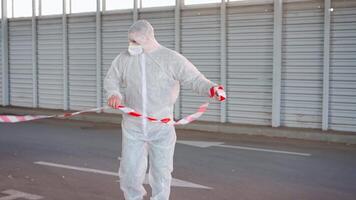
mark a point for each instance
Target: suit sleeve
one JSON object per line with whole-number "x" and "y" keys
{"x": 112, "y": 79}
{"x": 189, "y": 76}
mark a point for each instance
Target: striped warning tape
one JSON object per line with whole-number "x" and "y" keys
{"x": 219, "y": 92}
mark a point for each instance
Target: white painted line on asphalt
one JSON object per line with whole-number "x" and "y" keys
{"x": 180, "y": 183}
{"x": 200, "y": 144}
{"x": 14, "y": 194}
{"x": 266, "y": 150}
{"x": 203, "y": 144}
{"x": 77, "y": 168}
{"x": 175, "y": 182}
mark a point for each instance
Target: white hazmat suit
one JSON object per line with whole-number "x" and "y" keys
{"x": 149, "y": 83}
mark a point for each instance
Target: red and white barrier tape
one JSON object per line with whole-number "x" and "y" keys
{"x": 219, "y": 92}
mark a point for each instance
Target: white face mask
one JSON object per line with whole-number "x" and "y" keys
{"x": 135, "y": 49}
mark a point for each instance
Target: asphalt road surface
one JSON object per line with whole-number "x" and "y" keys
{"x": 66, "y": 160}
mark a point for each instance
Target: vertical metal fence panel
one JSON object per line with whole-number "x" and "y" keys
{"x": 114, "y": 39}
{"x": 342, "y": 112}
{"x": 20, "y": 62}
{"x": 302, "y": 64}
{"x": 82, "y": 61}
{"x": 163, "y": 24}
{"x": 200, "y": 43}
{"x": 1, "y": 103}
{"x": 249, "y": 73}
{"x": 50, "y": 62}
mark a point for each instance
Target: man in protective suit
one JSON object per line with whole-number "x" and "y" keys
{"x": 147, "y": 78}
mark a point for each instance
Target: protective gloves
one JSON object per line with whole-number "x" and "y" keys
{"x": 218, "y": 93}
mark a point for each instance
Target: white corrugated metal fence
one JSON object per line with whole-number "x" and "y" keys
{"x": 249, "y": 65}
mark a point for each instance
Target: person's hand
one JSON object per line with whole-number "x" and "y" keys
{"x": 218, "y": 93}
{"x": 114, "y": 101}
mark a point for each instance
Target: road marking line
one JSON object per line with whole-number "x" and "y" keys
{"x": 266, "y": 150}
{"x": 175, "y": 182}
{"x": 203, "y": 144}
{"x": 14, "y": 194}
